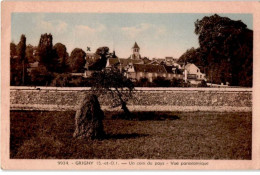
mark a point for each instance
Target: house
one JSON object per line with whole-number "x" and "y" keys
{"x": 122, "y": 63}
{"x": 173, "y": 72}
{"x": 170, "y": 61}
{"x": 151, "y": 72}
{"x": 91, "y": 58}
{"x": 148, "y": 71}
{"x": 157, "y": 61}
{"x": 193, "y": 74}
{"x": 112, "y": 62}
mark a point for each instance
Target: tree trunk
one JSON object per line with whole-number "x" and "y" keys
{"x": 23, "y": 74}
{"x": 128, "y": 114}
{"x": 123, "y": 105}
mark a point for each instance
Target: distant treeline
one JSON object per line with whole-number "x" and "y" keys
{"x": 46, "y": 65}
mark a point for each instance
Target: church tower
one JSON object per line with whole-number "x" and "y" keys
{"x": 136, "y": 52}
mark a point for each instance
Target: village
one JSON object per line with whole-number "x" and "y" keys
{"x": 137, "y": 67}
{"x": 141, "y": 69}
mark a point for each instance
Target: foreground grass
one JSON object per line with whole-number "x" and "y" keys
{"x": 152, "y": 135}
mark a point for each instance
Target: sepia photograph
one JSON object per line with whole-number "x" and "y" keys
{"x": 175, "y": 86}
{"x": 130, "y": 86}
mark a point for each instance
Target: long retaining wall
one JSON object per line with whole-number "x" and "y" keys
{"x": 144, "y": 99}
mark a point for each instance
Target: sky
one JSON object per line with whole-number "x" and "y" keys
{"x": 158, "y": 35}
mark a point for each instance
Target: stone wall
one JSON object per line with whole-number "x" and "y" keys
{"x": 144, "y": 99}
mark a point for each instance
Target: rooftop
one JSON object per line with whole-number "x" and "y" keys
{"x": 136, "y": 46}
{"x": 149, "y": 68}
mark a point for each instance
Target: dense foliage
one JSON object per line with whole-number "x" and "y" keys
{"x": 161, "y": 82}
{"x": 99, "y": 64}
{"x": 225, "y": 52}
{"x": 77, "y": 60}
{"x": 18, "y": 62}
{"x": 46, "y": 53}
{"x": 62, "y": 57}
{"x": 192, "y": 55}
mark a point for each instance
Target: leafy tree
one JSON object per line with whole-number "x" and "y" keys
{"x": 79, "y": 81}
{"x": 192, "y": 56}
{"x": 44, "y": 53}
{"x": 40, "y": 76}
{"x": 15, "y": 72}
{"x": 47, "y": 55}
{"x": 61, "y": 80}
{"x": 68, "y": 80}
{"x": 13, "y": 50}
{"x": 18, "y": 62}
{"x": 227, "y": 48}
{"x": 29, "y": 52}
{"x": 77, "y": 60}
{"x": 62, "y": 55}
{"x": 15, "y": 66}
{"x": 21, "y": 47}
{"x": 100, "y": 64}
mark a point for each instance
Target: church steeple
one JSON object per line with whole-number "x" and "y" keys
{"x": 135, "y": 46}
{"x": 136, "y": 54}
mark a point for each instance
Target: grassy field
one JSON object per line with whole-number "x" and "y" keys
{"x": 151, "y": 135}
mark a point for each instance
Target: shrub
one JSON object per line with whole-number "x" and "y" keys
{"x": 203, "y": 83}
{"x": 61, "y": 80}
{"x": 161, "y": 82}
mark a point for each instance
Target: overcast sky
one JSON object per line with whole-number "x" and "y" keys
{"x": 158, "y": 35}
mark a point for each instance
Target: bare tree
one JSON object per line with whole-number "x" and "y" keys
{"x": 113, "y": 82}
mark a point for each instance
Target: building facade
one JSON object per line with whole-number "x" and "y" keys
{"x": 137, "y": 68}
{"x": 193, "y": 74}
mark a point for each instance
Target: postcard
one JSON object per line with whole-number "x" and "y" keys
{"x": 130, "y": 85}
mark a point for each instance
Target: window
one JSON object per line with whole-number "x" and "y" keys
{"x": 173, "y": 70}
